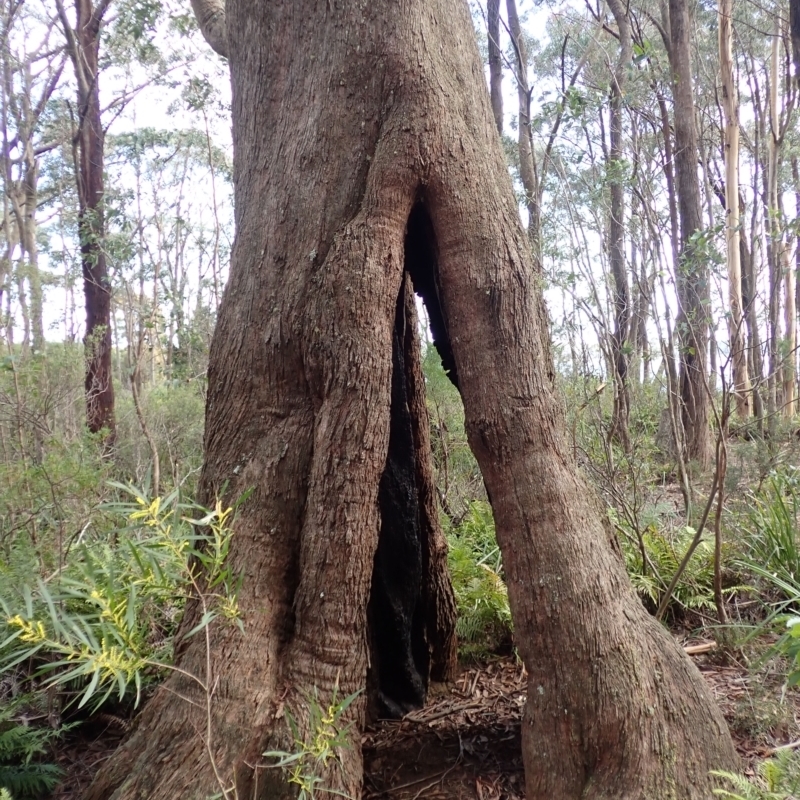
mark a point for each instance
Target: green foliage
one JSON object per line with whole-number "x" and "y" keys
{"x": 778, "y": 779}
{"x": 311, "y": 755}
{"x": 664, "y": 550}
{"x": 52, "y": 472}
{"x": 174, "y": 414}
{"x": 21, "y": 770}
{"x": 772, "y": 525}
{"x": 107, "y": 620}
{"x": 484, "y": 618}
{"x": 458, "y": 478}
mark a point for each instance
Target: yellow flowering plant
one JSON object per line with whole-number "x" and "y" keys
{"x": 108, "y": 620}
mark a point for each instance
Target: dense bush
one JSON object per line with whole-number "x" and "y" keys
{"x": 105, "y": 622}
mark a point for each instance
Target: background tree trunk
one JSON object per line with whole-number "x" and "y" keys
{"x": 691, "y": 268}
{"x": 495, "y": 62}
{"x": 83, "y": 45}
{"x": 730, "y": 106}
{"x": 616, "y": 236}
{"x": 394, "y": 170}
{"x": 527, "y": 158}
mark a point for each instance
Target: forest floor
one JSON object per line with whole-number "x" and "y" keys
{"x": 465, "y": 744}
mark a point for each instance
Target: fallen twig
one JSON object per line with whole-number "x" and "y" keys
{"x": 698, "y": 649}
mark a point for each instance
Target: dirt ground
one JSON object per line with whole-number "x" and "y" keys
{"x": 465, "y": 744}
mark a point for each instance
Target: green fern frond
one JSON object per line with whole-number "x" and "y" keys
{"x": 20, "y": 745}
{"x": 484, "y": 617}
{"x": 778, "y": 779}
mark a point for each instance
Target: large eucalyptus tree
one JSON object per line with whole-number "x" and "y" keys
{"x": 367, "y": 159}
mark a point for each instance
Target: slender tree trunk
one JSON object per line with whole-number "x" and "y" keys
{"x": 616, "y": 228}
{"x": 796, "y": 265}
{"x": 83, "y": 44}
{"x": 669, "y": 175}
{"x": 691, "y": 269}
{"x": 774, "y": 236}
{"x": 730, "y": 105}
{"x": 527, "y": 158}
{"x": 495, "y": 62}
{"x": 31, "y": 246}
{"x": 755, "y": 362}
{"x": 794, "y": 29}
{"x": 303, "y": 406}
{"x": 788, "y": 370}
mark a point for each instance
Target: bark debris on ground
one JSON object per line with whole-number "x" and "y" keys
{"x": 465, "y": 744}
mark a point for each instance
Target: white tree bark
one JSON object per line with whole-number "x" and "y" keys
{"x": 730, "y": 105}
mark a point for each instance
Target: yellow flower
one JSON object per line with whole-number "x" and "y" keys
{"x": 31, "y": 630}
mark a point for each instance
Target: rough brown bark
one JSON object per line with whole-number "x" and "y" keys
{"x": 83, "y": 45}
{"x": 374, "y": 158}
{"x": 691, "y": 269}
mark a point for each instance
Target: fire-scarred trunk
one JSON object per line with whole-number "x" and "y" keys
{"x": 366, "y": 155}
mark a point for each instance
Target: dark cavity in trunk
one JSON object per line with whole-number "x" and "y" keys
{"x": 400, "y": 654}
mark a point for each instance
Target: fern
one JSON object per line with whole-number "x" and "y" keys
{"x": 20, "y": 771}
{"x": 665, "y": 551}
{"x": 484, "y": 617}
{"x": 778, "y": 779}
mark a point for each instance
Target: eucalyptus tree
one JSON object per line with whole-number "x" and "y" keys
{"x": 170, "y": 233}
{"x": 98, "y": 40}
{"x": 83, "y": 37}
{"x": 691, "y": 270}
{"x": 616, "y": 226}
{"x": 367, "y": 162}
{"x": 730, "y": 105}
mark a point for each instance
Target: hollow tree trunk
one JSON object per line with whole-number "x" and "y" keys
{"x": 368, "y": 155}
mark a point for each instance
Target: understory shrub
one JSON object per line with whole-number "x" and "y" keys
{"x": 106, "y": 621}
{"x": 327, "y": 734}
